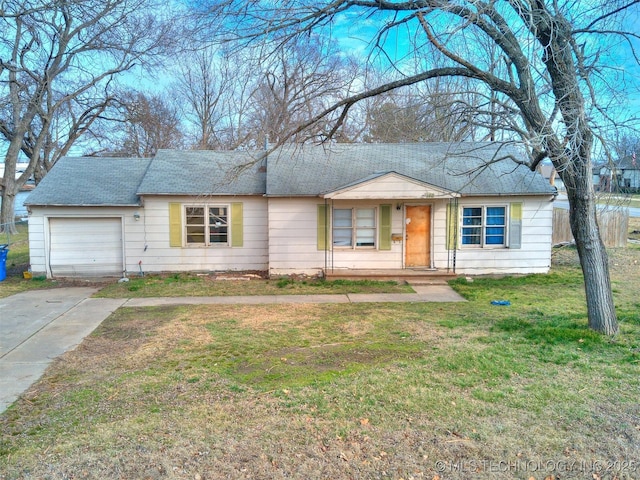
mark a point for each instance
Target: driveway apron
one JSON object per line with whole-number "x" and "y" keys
{"x": 39, "y": 325}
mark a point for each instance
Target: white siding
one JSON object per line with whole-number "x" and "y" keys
{"x": 280, "y": 235}
{"x": 37, "y": 247}
{"x": 632, "y": 177}
{"x": 293, "y": 245}
{"x": 293, "y": 239}
{"x": 293, "y": 231}
{"x": 534, "y": 256}
{"x": 152, "y": 232}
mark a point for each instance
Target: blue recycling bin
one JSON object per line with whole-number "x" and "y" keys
{"x": 4, "y": 250}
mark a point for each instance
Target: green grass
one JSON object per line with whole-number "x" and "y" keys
{"x": 18, "y": 262}
{"x": 267, "y": 390}
{"x": 192, "y": 284}
{"x": 18, "y": 245}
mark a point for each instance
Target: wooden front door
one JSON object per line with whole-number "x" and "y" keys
{"x": 418, "y": 236}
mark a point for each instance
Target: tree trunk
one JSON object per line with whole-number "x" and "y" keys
{"x": 7, "y": 217}
{"x": 593, "y": 257}
{"x": 10, "y": 185}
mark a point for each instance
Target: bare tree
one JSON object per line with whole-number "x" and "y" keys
{"x": 437, "y": 115}
{"x": 297, "y": 82}
{"x": 58, "y": 126}
{"x": 553, "y": 56}
{"x": 53, "y": 54}
{"x": 149, "y": 123}
{"x": 626, "y": 146}
{"x": 210, "y": 82}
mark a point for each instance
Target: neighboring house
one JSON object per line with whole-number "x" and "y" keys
{"x": 465, "y": 208}
{"x": 621, "y": 176}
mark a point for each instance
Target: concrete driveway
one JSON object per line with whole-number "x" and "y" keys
{"x": 39, "y": 325}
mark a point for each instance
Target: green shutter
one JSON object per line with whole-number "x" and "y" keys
{"x": 384, "y": 232}
{"x": 452, "y": 225}
{"x": 175, "y": 225}
{"x": 515, "y": 226}
{"x": 237, "y": 225}
{"x": 322, "y": 227}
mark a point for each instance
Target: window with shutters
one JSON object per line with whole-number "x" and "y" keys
{"x": 207, "y": 225}
{"x": 484, "y": 226}
{"x": 354, "y": 227}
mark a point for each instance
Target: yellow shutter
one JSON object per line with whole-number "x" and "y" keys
{"x": 237, "y": 225}
{"x": 452, "y": 225}
{"x": 175, "y": 225}
{"x": 384, "y": 232}
{"x": 515, "y": 225}
{"x": 322, "y": 227}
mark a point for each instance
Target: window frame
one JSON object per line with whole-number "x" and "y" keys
{"x": 353, "y": 228}
{"x": 207, "y": 225}
{"x": 484, "y": 226}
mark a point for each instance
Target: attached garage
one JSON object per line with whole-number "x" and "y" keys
{"x": 83, "y": 213}
{"x": 85, "y": 247}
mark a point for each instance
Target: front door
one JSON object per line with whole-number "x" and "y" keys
{"x": 418, "y": 235}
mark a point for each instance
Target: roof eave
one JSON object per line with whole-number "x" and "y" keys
{"x": 194, "y": 194}
{"x": 83, "y": 204}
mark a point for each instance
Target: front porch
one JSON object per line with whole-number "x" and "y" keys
{"x": 414, "y": 276}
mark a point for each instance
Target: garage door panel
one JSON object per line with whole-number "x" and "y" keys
{"x": 86, "y": 246}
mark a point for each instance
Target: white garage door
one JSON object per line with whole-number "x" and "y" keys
{"x": 85, "y": 247}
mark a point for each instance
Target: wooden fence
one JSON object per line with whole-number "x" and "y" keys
{"x": 614, "y": 226}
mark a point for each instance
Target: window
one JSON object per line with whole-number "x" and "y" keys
{"x": 354, "y": 227}
{"x": 207, "y": 225}
{"x": 483, "y": 226}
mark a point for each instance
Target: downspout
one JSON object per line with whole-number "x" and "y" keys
{"x": 326, "y": 241}
{"x": 330, "y": 236}
{"x": 455, "y": 233}
{"x": 452, "y": 252}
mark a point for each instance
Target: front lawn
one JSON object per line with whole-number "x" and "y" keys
{"x": 355, "y": 391}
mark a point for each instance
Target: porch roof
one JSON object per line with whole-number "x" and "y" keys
{"x": 389, "y": 185}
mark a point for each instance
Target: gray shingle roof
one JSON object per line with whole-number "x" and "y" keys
{"x": 199, "y": 172}
{"x": 91, "y": 181}
{"x": 465, "y": 168}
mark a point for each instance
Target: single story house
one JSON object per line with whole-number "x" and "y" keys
{"x": 467, "y": 208}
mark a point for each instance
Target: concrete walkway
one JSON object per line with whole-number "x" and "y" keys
{"x": 39, "y": 325}
{"x": 424, "y": 293}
